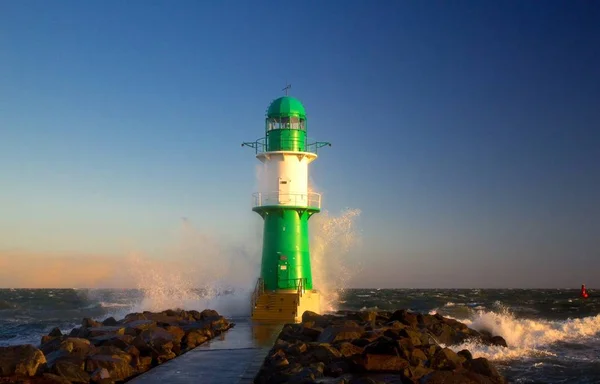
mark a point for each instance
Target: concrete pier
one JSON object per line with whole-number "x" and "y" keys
{"x": 233, "y": 357}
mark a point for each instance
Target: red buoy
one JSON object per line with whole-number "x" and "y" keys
{"x": 584, "y": 293}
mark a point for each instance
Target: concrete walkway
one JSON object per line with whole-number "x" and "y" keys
{"x": 233, "y": 357}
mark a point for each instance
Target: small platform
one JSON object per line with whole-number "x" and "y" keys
{"x": 233, "y": 357}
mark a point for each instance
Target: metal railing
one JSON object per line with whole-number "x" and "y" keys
{"x": 301, "y": 285}
{"x": 261, "y": 145}
{"x": 310, "y": 199}
{"x": 259, "y": 288}
{"x": 297, "y": 284}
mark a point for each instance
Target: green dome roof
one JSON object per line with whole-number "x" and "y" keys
{"x": 286, "y": 106}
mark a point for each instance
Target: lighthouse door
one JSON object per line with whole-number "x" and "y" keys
{"x": 283, "y": 274}
{"x": 284, "y": 191}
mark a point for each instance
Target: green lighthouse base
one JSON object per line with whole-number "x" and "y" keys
{"x": 286, "y": 253}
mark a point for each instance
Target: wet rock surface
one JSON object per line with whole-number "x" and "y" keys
{"x": 111, "y": 351}
{"x": 377, "y": 347}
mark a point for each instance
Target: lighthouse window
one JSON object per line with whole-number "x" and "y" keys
{"x": 286, "y": 123}
{"x": 283, "y": 182}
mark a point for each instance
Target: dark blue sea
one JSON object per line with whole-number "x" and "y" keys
{"x": 553, "y": 335}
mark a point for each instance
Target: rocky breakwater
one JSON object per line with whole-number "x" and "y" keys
{"x": 110, "y": 351}
{"x": 377, "y": 347}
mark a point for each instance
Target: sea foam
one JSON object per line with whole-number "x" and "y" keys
{"x": 525, "y": 337}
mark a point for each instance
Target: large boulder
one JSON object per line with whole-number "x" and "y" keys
{"x": 483, "y": 367}
{"x": 106, "y": 330}
{"x": 324, "y": 353}
{"x": 71, "y": 371}
{"x": 195, "y": 337}
{"x": 136, "y": 327}
{"x": 334, "y": 334}
{"x": 446, "y": 359}
{"x": 117, "y": 367}
{"x": 405, "y": 317}
{"x": 382, "y": 363}
{"x": 24, "y": 360}
{"x": 119, "y": 341}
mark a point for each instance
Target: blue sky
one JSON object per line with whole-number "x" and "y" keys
{"x": 466, "y": 132}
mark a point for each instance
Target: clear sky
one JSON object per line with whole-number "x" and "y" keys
{"x": 466, "y": 132}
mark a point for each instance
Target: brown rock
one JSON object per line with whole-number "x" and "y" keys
{"x": 136, "y": 327}
{"x": 111, "y": 322}
{"x": 105, "y": 330}
{"x": 498, "y": 340}
{"x": 55, "y": 332}
{"x": 337, "y": 368}
{"x": 47, "y": 339}
{"x": 119, "y": 341}
{"x": 193, "y": 314}
{"x": 465, "y": 354}
{"x": 132, "y": 351}
{"x": 165, "y": 356}
{"x": 482, "y": 366}
{"x": 51, "y": 378}
{"x": 312, "y": 333}
{"x": 426, "y": 320}
{"x": 319, "y": 320}
{"x": 296, "y": 349}
{"x": 444, "y": 334}
{"x": 383, "y": 346}
{"x": 430, "y": 350}
{"x": 335, "y": 334}
{"x": 396, "y": 325}
{"x": 55, "y": 356}
{"x": 24, "y": 360}
{"x": 118, "y": 368}
{"x": 70, "y": 371}
{"x": 414, "y": 335}
{"x": 382, "y": 363}
{"x": 324, "y": 352}
{"x": 368, "y": 316}
{"x": 218, "y": 323}
{"x": 445, "y": 359}
{"x": 99, "y": 375}
{"x": 89, "y": 323}
{"x": 112, "y": 351}
{"x": 156, "y": 337}
{"x": 144, "y": 363}
{"x": 176, "y": 332}
{"x": 362, "y": 342}
{"x": 416, "y": 372}
{"x": 133, "y": 317}
{"x": 50, "y": 343}
{"x": 77, "y": 347}
{"x": 348, "y": 349}
{"x": 208, "y": 313}
{"x": 194, "y": 338}
{"x": 405, "y": 317}
{"x": 417, "y": 357}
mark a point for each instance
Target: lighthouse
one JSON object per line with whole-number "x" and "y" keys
{"x": 285, "y": 288}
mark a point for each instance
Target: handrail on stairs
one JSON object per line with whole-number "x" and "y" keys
{"x": 259, "y": 288}
{"x": 300, "y": 292}
{"x": 301, "y": 284}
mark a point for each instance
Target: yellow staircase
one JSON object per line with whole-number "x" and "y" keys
{"x": 285, "y": 306}
{"x": 276, "y": 306}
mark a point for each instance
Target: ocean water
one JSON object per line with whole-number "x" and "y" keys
{"x": 553, "y": 335}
